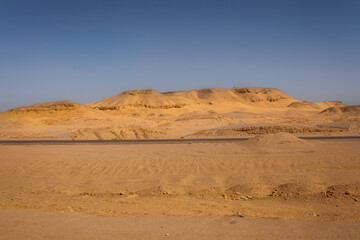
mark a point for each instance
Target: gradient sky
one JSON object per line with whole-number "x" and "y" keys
{"x": 88, "y": 50}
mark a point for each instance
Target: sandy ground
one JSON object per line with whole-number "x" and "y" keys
{"x": 40, "y": 225}
{"x": 275, "y": 186}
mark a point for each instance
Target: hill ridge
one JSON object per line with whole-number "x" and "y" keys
{"x": 153, "y": 99}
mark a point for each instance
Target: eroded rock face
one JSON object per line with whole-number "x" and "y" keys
{"x": 258, "y": 94}
{"x": 348, "y": 109}
{"x": 208, "y": 112}
{"x": 315, "y": 105}
{"x": 152, "y": 99}
{"x": 140, "y": 92}
{"x": 59, "y": 105}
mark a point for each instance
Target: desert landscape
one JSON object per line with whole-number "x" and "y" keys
{"x": 201, "y": 113}
{"x": 271, "y": 185}
{"x": 205, "y": 120}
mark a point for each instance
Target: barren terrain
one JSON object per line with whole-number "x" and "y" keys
{"x": 272, "y": 186}
{"x": 146, "y": 114}
{"x": 279, "y": 176}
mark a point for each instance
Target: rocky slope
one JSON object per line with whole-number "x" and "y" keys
{"x": 212, "y": 112}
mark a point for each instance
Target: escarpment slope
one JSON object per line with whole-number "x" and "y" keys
{"x": 152, "y": 99}
{"x": 208, "y": 112}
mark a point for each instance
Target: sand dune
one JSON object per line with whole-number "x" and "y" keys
{"x": 276, "y": 139}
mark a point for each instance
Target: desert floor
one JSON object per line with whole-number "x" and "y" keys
{"x": 260, "y": 189}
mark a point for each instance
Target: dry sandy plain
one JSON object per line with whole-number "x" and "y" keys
{"x": 273, "y": 186}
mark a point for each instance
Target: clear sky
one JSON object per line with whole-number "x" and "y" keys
{"x": 88, "y": 50}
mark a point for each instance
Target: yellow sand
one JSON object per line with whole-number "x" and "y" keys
{"x": 216, "y": 112}
{"x": 275, "y": 186}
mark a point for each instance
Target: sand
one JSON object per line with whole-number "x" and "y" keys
{"x": 273, "y": 186}
{"x": 212, "y": 112}
{"x": 28, "y": 225}
{"x": 213, "y": 189}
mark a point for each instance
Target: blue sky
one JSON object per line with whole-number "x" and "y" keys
{"x": 88, "y": 50}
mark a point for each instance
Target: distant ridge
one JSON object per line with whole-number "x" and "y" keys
{"x": 177, "y": 99}
{"x": 207, "y": 112}
{"x": 344, "y": 109}
{"x": 58, "y": 105}
{"x": 315, "y": 105}
{"x": 206, "y": 99}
